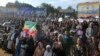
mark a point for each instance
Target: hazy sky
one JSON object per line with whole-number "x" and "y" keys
{"x": 62, "y": 3}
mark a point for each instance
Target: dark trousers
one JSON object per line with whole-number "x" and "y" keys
{"x": 29, "y": 52}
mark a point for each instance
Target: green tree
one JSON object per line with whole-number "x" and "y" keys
{"x": 72, "y": 11}
{"x": 59, "y": 7}
{"x": 49, "y": 8}
{"x": 70, "y": 8}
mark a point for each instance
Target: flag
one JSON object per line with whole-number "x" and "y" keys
{"x": 30, "y": 28}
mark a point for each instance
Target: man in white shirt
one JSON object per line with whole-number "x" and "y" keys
{"x": 48, "y": 51}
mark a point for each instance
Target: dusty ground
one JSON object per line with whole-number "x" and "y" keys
{"x": 2, "y": 53}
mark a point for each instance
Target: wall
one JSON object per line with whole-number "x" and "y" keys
{"x": 88, "y": 9}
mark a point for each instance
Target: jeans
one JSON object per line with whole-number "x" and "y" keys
{"x": 18, "y": 48}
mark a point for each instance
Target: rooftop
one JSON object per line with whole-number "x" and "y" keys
{"x": 89, "y": 3}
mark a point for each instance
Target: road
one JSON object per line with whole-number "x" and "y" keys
{"x": 2, "y": 53}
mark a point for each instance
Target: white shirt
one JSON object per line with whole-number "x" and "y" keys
{"x": 23, "y": 34}
{"x": 12, "y": 37}
{"x": 17, "y": 41}
{"x": 46, "y": 53}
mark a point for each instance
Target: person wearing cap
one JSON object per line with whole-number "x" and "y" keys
{"x": 48, "y": 51}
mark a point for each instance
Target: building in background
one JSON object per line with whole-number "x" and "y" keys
{"x": 8, "y": 12}
{"x": 88, "y": 9}
{"x": 67, "y": 12}
{"x": 21, "y": 10}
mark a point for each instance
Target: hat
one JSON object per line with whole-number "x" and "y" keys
{"x": 48, "y": 46}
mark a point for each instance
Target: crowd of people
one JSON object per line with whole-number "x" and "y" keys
{"x": 54, "y": 38}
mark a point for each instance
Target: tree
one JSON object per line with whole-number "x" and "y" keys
{"x": 49, "y": 8}
{"x": 72, "y": 11}
{"x": 70, "y": 8}
{"x": 59, "y": 8}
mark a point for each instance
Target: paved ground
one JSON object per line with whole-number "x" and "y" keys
{"x": 2, "y": 53}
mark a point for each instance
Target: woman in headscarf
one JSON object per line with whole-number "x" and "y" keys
{"x": 79, "y": 48}
{"x": 39, "y": 51}
{"x": 57, "y": 47}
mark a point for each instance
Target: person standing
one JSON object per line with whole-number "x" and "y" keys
{"x": 48, "y": 51}
{"x": 39, "y": 51}
{"x": 17, "y": 46}
{"x": 10, "y": 41}
{"x": 89, "y": 31}
{"x": 78, "y": 48}
{"x": 57, "y": 47}
{"x": 29, "y": 46}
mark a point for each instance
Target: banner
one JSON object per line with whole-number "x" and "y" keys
{"x": 30, "y": 28}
